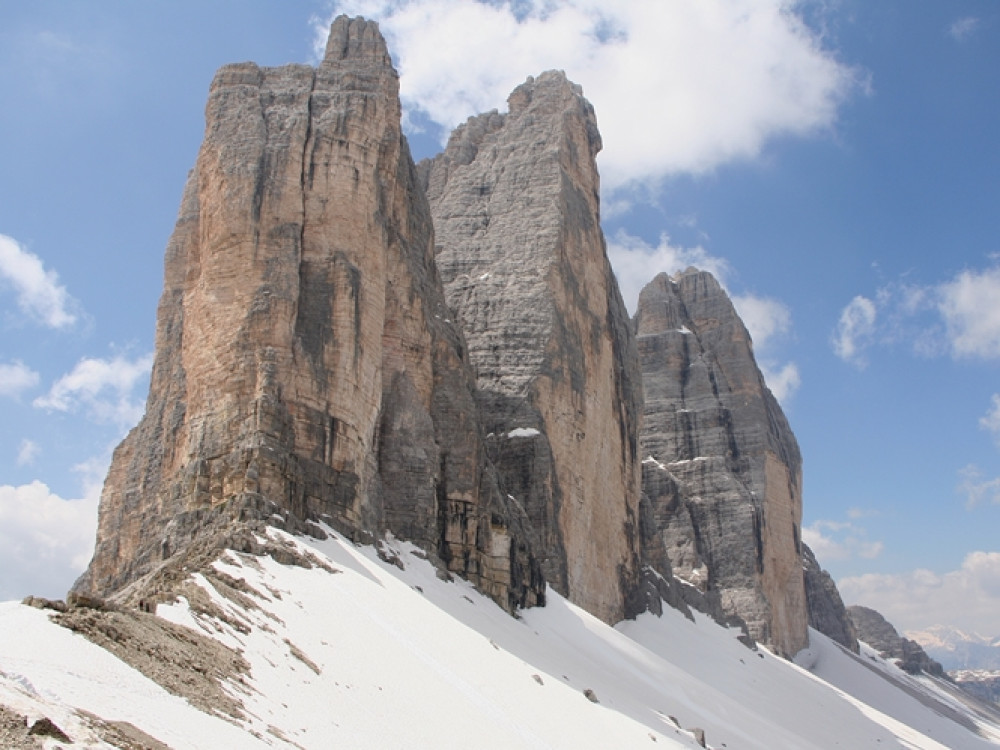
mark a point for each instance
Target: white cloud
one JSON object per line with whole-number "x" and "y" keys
{"x": 714, "y": 80}
{"x": 764, "y": 317}
{"x": 970, "y": 307}
{"x": 840, "y": 540}
{"x": 39, "y": 293}
{"x": 27, "y": 452}
{"x": 960, "y": 317}
{"x": 103, "y": 387}
{"x": 967, "y": 598}
{"x": 636, "y": 262}
{"x": 45, "y": 541}
{"x": 15, "y": 378}
{"x": 963, "y": 28}
{"x": 855, "y": 330}
{"x": 976, "y": 488}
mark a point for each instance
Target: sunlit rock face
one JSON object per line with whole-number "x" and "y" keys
{"x": 515, "y": 200}
{"x": 722, "y": 476}
{"x": 304, "y": 355}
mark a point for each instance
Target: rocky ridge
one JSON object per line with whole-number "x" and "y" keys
{"x": 440, "y": 352}
{"x": 303, "y": 352}
{"x": 872, "y": 628}
{"x": 722, "y": 476}
{"x": 515, "y": 201}
{"x": 827, "y": 612}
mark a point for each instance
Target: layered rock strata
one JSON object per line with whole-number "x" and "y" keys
{"x": 721, "y": 469}
{"x": 872, "y": 628}
{"x": 521, "y": 253}
{"x": 304, "y": 354}
{"x": 827, "y": 612}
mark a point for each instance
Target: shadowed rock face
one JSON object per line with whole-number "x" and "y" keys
{"x": 827, "y": 612}
{"x": 872, "y": 628}
{"x": 522, "y": 257}
{"x": 303, "y": 351}
{"x": 721, "y": 468}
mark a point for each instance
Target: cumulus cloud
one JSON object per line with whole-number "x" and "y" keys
{"x": 855, "y": 330}
{"x": 970, "y": 307}
{"x": 960, "y": 317}
{"x": 16, "y": 378}
{"x": 840, "y": 540}
{"x": 104, "y": 388}
{"x": 636, "y": 262}
{"x": 719, "y": 79}
{"x": 963, "y": 28}
{"x": 967, "y": 598}
{"x": 39, "y": 293}
{"x": 45, "y": 540}
{"x": 977, "y": 488}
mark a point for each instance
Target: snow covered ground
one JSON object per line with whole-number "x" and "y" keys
{"x": 378, "y": 656}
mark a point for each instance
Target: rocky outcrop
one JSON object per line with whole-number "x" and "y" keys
{"x": 304, "y": 354}
{"x": 872, "y": 628}
{"x": 721, "y": 469}
{"x": 522, "y": 257}
{"x": 827, "y": 612}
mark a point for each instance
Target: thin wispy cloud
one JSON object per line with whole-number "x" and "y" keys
{"x": 719, "y": 79}
{"x": 16, "y": 378}
{"x": 963, "y": 28}
{"x": 977, "y": 488}
{"x": 103, "y": 388}
{"x": 991, "y": 420}
{"x": 967, "y": 598}
{"x": 38, "y": 291}
{"x": 840, "y": 540}
{"x": 27, "y": 452}
{"x": 855, "y": 330}
{"x": 958, "y": 317}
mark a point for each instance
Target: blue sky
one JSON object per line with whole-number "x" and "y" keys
{"x": 834, "y": 162}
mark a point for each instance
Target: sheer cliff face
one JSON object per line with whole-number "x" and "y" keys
{"x": 522, "y": 258}
{"x": 827, "y": 612}
{"x": 303, "y": 352}
{"x": 721, "y": 468}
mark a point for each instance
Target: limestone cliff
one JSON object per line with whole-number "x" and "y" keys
{"x": 721, "y": 469}
{"x": 827, "y": 612}
{"x": 304, "y": 356}
{"x": 872, "y": 628}
{"x": 522, "y": 257}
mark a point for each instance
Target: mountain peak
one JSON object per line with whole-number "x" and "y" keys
{"x": 356, "y": 39}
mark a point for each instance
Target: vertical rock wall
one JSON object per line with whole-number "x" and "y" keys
{"x": 827, "y": 612}
{"x": 303, "y": 353}
{"x": 721, "y": 468}
{"x": 522, "y": 256}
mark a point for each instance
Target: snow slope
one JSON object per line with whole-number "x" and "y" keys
{"x": 378, "y": 656}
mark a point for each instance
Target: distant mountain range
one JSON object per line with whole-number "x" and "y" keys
{"x": 956, "y": 649}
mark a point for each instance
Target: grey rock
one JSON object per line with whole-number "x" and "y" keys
{"x": 872, "y": 628}
{"x": 515, "y": 200}
{"x": 304, "y": 354}
{"x": 827, "y": 612}
{"x": 721, "y": 468}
